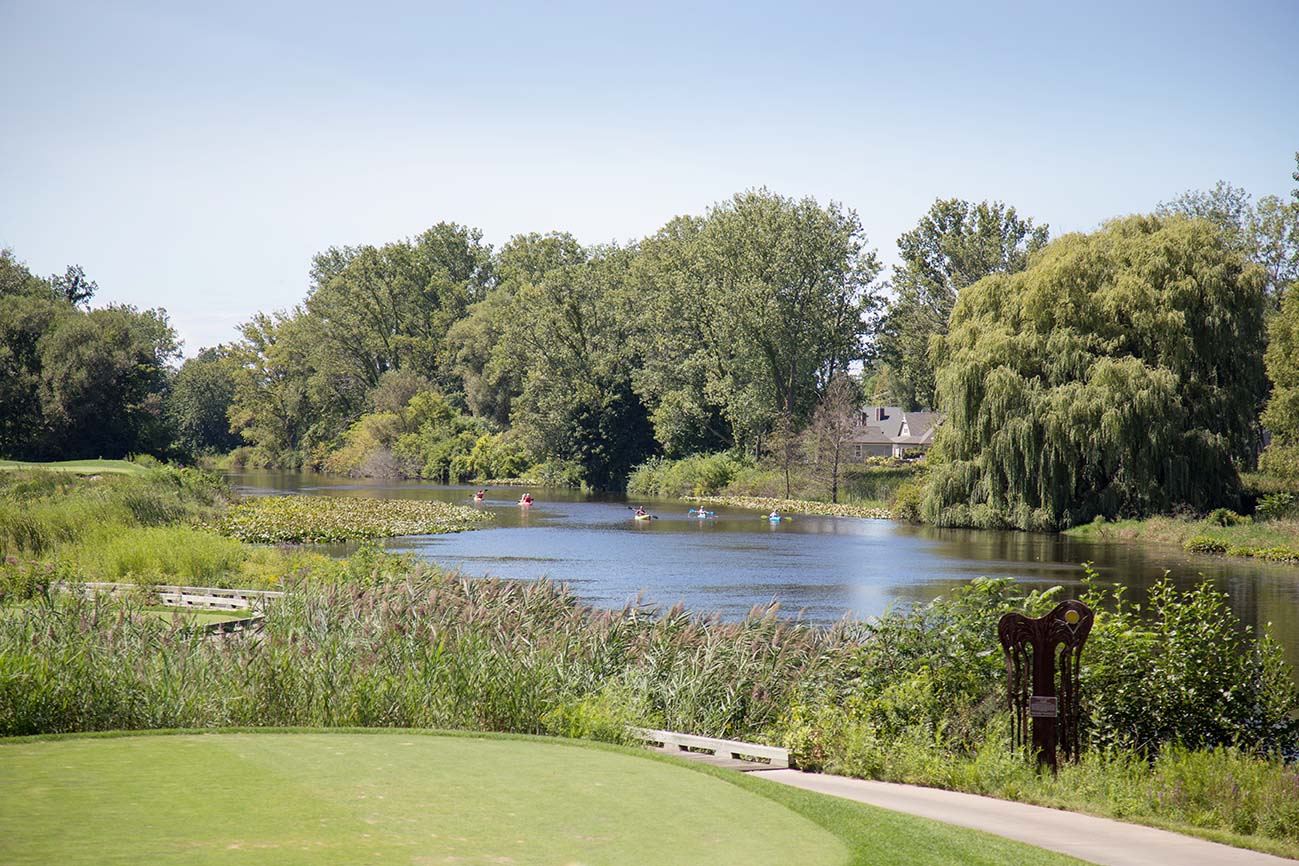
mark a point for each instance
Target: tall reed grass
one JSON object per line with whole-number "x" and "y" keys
{"x": 42, "y": 510}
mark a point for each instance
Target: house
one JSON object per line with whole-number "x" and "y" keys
{"x": 887, "y": 431}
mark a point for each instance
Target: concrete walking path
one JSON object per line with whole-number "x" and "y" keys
{"x": 1097, "y": 840}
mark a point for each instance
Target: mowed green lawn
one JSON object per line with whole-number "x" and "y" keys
{"x": 407, "y": 797}
{"x": 78, "y": 467}
{"x": 196, "y": 616}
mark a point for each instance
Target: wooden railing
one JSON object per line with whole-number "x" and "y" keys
{"x": 197, "y": 597}
{"x": 771, "y": 757}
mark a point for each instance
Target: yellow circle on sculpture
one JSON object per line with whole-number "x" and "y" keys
{"x": 1071, "y": 617}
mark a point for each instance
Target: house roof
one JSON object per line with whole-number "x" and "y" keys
{"x": 889, "y": 425}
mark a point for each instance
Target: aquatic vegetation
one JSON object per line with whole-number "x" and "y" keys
{"x": 795, "y": 506}
{"x": 279, "y": 519}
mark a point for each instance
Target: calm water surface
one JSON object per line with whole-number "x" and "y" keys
{"x": 825, "y": 567}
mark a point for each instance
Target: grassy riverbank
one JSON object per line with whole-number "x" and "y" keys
{"x": 1273, "y": 540}
{"x": 166, "y": 525}
{"x": 878, "y": 510}
{"x": 870, "y": 486}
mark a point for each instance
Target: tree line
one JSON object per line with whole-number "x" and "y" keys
{"x": 1116, "y": 372}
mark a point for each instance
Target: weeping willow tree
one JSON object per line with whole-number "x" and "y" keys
{"x": 1119, "y": 375}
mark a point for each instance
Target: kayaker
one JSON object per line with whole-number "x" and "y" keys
{"x": 775, "y": 515}
{"x": 640, "y": 510}
{"x": 478, "y": 497}
{"x": 526, "y": 499}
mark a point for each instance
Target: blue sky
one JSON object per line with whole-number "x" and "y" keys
{"x": 194, "y": 156}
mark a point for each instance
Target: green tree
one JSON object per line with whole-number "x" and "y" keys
{"x": 490, "y": 374}
{"x": 385, "y": 308}
{"x": 955, "y": 245}
{"x": 29, "y": 309}
{"x": 1230, "y": 208}
{"x": 198, "y": 404}
{"x": 1267, "y": 233}
{"x": 1120, "y": 374}
{"x": 1282, "y": 358}
{"x": 103, "y": 381}
{"x": 568, "y": 328}
{"x": 74, "y": 286}
{"x": 749, "y": 313}
{"x": 275, "y": 405}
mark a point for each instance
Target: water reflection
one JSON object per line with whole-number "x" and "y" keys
{"x": 825, "y": 567}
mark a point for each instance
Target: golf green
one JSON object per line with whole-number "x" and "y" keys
{"x": 324, "y": 798}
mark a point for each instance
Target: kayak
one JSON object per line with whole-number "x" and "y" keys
{"x": 776, "y": 519}
{"x": 643, "y": 516}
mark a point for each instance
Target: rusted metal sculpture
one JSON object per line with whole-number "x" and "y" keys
{"x": 1030, "y": 646}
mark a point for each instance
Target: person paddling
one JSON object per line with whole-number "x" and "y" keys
{"x": 526, "y": 499}
{"x": 478, "y": 497}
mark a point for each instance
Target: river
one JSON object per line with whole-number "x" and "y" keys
{"x": 824, "y": 567}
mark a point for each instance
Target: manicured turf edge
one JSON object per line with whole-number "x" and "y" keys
{"x": 859, "y": 826}
{"x": 77, "y": 467}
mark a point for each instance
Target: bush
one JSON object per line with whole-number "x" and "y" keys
{"x": 907, "y": 501}
{"x": 1186, "y": 671}
{"x": 497, "y": 456}
{"x": 1227, "y": 517}
{"x": 696, "y": 475}
{"x": 1275, "y": 506}
{"x": 1205, "y": 544}
{"x": 1281, "y": 461}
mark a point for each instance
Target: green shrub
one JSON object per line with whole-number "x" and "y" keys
{"x": 907, "y": 500}
{"x": 696, "y": 475}
{"x": 1205, "y": 544}
{"x": 1227, "y": 517}
{"x": 1275, "y": 506}
{"x": 1281, "y": 461}
{"x": 1184, "y": 670}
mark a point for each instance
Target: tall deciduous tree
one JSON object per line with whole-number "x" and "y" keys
{"x": 955, "y": 245}
{"x": 748, "y": 313}
{"x": 568, "y": 328}
{"x": 198, "y": 404}
{"x": 103, "y": 379}
{"x": 29, "y": 309}
{"x": 385, "y": 308}
{"x": 1120, "y": 374}
{"x": 275, "y": 404}
{"x": 490, "y": 375}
